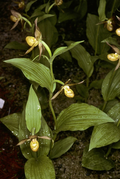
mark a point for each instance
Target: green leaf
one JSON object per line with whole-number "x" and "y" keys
{"x": 66, "y": 56}
{"x": 81, "y": 9}
{"x": 49, "y": 32}
{"x": 67, "y": 15}
{"x": 41, "y": 168}
{"x": 61, "y": 147}
{"x": 110, "y": 104}
{"x": 61, "y": 50}
{"x": 101, "y": 10}
{"x": 66, "y": 5}
{"x": 33, "y": 71}
{"x": 33, "y": 112}
{"x": 96, "y": 84}
{"x": 80, "y": 117}
{"x": 96, "y": 33}
{"x": 95, "y": 160}
{"x": 114, "y": 112}
{"x": 104, "y": 134}
{"x": 42, "y": 95}
{"x": 45, "y": 144}
{"x": 83, "y": 58}
{"x": 44, "y": 17}
{"x": 111, "y": 85}
{"x": 12, "y": 122}
{"x": 28, "y": 5}
{"x": 16, "y": 45}
{"x": 112, "y": 40}
{"x": 82, "y": 90}
{"x": 113, "y": 6}
{"x": 38, "y": 11}
{"x": 37, "y": 14}
{"x": 116, "y": 145}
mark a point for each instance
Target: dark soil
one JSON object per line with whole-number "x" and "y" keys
{"x": 14, "y": 89}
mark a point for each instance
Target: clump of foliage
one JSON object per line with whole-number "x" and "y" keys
{"x": 36, "y": 139}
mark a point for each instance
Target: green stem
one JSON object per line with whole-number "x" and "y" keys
{"x": 104, "y": 105}
{"x": 52, "y": 110}
{"x": 50, "y": 7}
{"x": 51, "y": 93}
{"x": 26, "y": 20}
{"x": 51, "y": 71}
{"x": 47, "y": 48}
{"x": 108, "y": 152}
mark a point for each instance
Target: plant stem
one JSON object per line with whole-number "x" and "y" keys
{"x": 47, "y": 48}
{"x": 50, "y": 7}
{"x": 52, "y": 110}
{"x": 52, "y": 81}
{"x": 51, "y": 93}
{"x": 104, "y": 105}
{"x": 108, "y": 152}
{"x": 51, "y": 71}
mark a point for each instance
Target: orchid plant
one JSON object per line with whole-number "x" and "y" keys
{"x": 39, "y": 142}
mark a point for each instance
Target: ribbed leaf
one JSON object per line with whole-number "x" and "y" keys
{"x": 110, "y": 104}
{"x": 42, "y": 168}
{"x": 116, "y": 145}
{"x": 61, "y": 147}
{"x": 80, "y": 117}
{"x": 28, "y": 5}
{"x": 16, "y": 45}
{"x": 61, "y": 50}
{"x": 101, "y": 10}
{"x": 45, "y": 144}
{"x": 66, "y": 56}
{"x": 38, "y": 11}
{"x": 33, "y": 112}
{"x": 96, "y": 33}
{"x": 12, "y": 122}
{"x": 104, "y": 134}
{"x": 44, "y": 17}
{"x": 95, "y": 160}
{"x": 49, "y": 32}
{"x": 83, "y": 58}
{"x": 114, "y": 112}
{"x": 33, "y": 71}
{"x": 67, "y": 15}
{"x": 113, "y": 6}
{"x": 111, "y": 85}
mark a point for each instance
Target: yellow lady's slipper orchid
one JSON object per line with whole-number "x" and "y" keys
{"x": 114, "y": 56}
{"x": 58, "y": 2}
{"x": 34, "y": 144}
{"x": 109, "y": 24}
{"x": 67, "y": 90}
{"x": 15, "y": 17}
{"x": 21, "y": 4}
{"x": 35, "y": 41}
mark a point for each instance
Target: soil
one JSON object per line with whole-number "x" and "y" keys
{"x": 14, "y": 90}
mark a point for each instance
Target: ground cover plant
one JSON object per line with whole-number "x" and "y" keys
{"x": 37, "y": 140}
